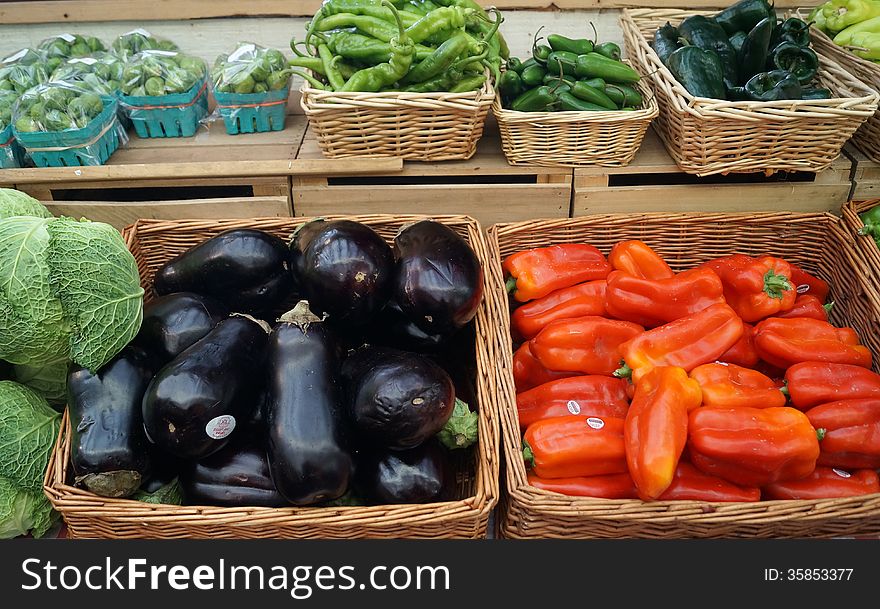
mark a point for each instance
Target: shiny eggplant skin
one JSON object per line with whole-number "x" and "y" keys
{"x": 305, "y": 414}
{"x": 344, "y": 269}
{"x": 174, "y": 322}
{"x": 108, "y": 449}
{"x": 394, "y": 329}
{"x": 247, "y": 270}
{"x": 396, "y": 399}
{"x": 439, "y": 280}
{"x": 212, "y": 387}
{"x": 418, "y": 475}
{"x": 237, "y": 476}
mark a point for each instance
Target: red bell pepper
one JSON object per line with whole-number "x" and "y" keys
{"x": 752, "y": 446}
{"x": 690, "y": 484}
{"x": 596, "y": 396}
{"x": 528, "y": 371}
{"x": 577, "y": 301}
{"x": 805, "y": 283}
{"x": 826, "y": 483}
{"x": 588, "y": 345}
{"x": 636, "y": 258}
{"x": 812, "y": 383}
{"x": 656, "y": 428}
{"x": 687, "y": 342}
{"x": 852, "y": 433}
{"x": 573, "y": 446}
{"x": 653, "y": 302}
{"x": 807, "y": 305}
{"x": 730, "y": 386}
{"x": 743, "y": 352}
{"x": 755, "y": 287}
{"x": 537, "y": 272}
{"x": 609, "y": 486}
{"x": 785, "y": 342}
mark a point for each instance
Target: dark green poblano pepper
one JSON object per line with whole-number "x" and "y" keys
{"x": 776, "y": 85}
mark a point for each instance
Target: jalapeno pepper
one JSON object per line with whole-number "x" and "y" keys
{"x": 622, "y": 95}
{"x": 538, "y": 99}
{"x": 586, "y": 93}
{"x": 562, "y": 62}
{"x": 541, "y": 52}
{"x": 571, "y": 103}
{"x": 608, "y": 49}
{"x": 533, "y": 75}
{"x": 594, "y": 65}
{"x": 800, "y": 62}
{"x": 578, "y": 46}
{"x": 510, "y": 85}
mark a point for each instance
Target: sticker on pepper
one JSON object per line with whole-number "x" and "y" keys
{"x": 595, "y": 422}
{"x": 841, "y": 473}
{"x": 573, "y": 407}
{"x": 220, "y": 427}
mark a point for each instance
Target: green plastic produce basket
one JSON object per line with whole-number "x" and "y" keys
{"x": 175, "y": 115}
{"x": 253, "y": 112}
{"x": 10, "y": 151}
{"x": 91, "y": 145}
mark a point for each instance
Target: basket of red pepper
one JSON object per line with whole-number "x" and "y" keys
{"x": 746, "y": 93}
{"x": 680, "y": 375}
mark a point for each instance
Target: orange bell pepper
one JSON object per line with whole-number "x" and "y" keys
{"x": 807, "y": 305}
{"x": 577, "y": 301}
{"x": 755, "y": 287}
{"x": 812, "y": 383}
{"x": 752, "y": 446}
{"x": 697, "y": 339}
{"x": 729, "y": 386}
{"x": 656, "y": 428}
{"x": 636, "y": 258}
{"x": 826, "y": 483}
{"x": 743, "y": 352}
{"x": 852, "y": 433}
{"x": 653, "y": 302}
{"x": 609, "y": 486}
{"x": 537, "y": 272}
{"x": 568, "y": 447}
{"x": 690, "y": 484}
{"x": 596, "y": 396}
{"x": 528, "y": 371}
{"x": 785, "y": 342}
{"x": 588, "y": 345}
{"x": 805, "y": 283}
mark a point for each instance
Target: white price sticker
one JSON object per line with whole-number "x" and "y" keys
{"x": 220, "y": 427}
{"x": 573, "y": 407}
{"x": 595, "y": 422}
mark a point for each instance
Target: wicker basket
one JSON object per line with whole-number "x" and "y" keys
{"x": 153, "y": 242}
{"x": 709, "y": 136}
{"x": 865, "y": 243}
{"x": 821, "y": 244}
{"x": 574, "y": 139}
{"x": 867, "y": 138}
{"x": 414, "y": 126}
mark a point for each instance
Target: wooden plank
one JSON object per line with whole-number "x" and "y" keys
{"x": 120, "y": 214}
{"x": 136, "y": 10}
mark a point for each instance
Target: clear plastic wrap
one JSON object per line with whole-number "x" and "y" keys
{"x": 251, "y": 86}
{"x": 10, "y": 155}
{"x": 133, "y": 42}
{"x": 23, "y": 70}
{"x": 64, "y": 46}
{"x": 62, "y": 123}
{"x": 165, "y": 93}
{"x": 100, "y": 72}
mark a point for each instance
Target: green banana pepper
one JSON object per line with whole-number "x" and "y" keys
{"x": 844, "y": 38}
{"x": 470, "y": 83}
{"x": 666, "y": 41}
{"x": 776, "y": 85}
{"x": 865, "y": 45}
{"x": 699, "y": 71}
{"x": 593, "y": 65}
{"x": 755, "y": 49}
{"x": 841, "y": 14}
{"x": 590, "y": 94}
{"x": 817, "y": 18}
{"x": 801, "y": 62}
{"x": 744, "y": 15}
{"x": 385, "y": 74}
{"x": 578, "y": 46}
{"x": 705, "y": 33}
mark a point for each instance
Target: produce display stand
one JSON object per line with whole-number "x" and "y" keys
{"x": 823, "y": 244}
{"x": 865, "y": 177}
{"x": 654, "y": 183}
{"x": 484, "y": 187}
{"x": 465, "y": 516}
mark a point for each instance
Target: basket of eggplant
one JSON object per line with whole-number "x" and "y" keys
{"x": 291, "y": 378}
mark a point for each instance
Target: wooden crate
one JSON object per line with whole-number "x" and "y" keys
{"x": 654, "y": 183}
{"x": 866, "y": 175}
{"x": 485, "y": 187}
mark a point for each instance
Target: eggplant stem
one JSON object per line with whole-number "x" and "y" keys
{"x": 301, "y": 315}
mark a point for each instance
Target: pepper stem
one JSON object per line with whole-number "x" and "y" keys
{"x": 310, "y": 79}
{"x": 624, "y": 372}
{"x": 775, "y": 284}
{"x": 510, "y": 285}
{"x": 828, "y": 307}
{"x": 528, "y": 455}
{"x": 784, "y": 390}
{"x": 820, "y": 433}
{"x": 393, "y": 9}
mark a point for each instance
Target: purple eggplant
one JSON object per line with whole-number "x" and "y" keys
{"x": 396, "y": 399}
{"x": 344, "y": 269}
{"x": 394, "y": 329}
{"x": 439, "y": 280}
{"x": 305, "y": 414}
{"x": 194, "y": 403}
{"x": 418, "y": 475}
{"x": 174, "y": 322}
{"x": 247, "y": 270}
{"x": 109, "y": 451}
